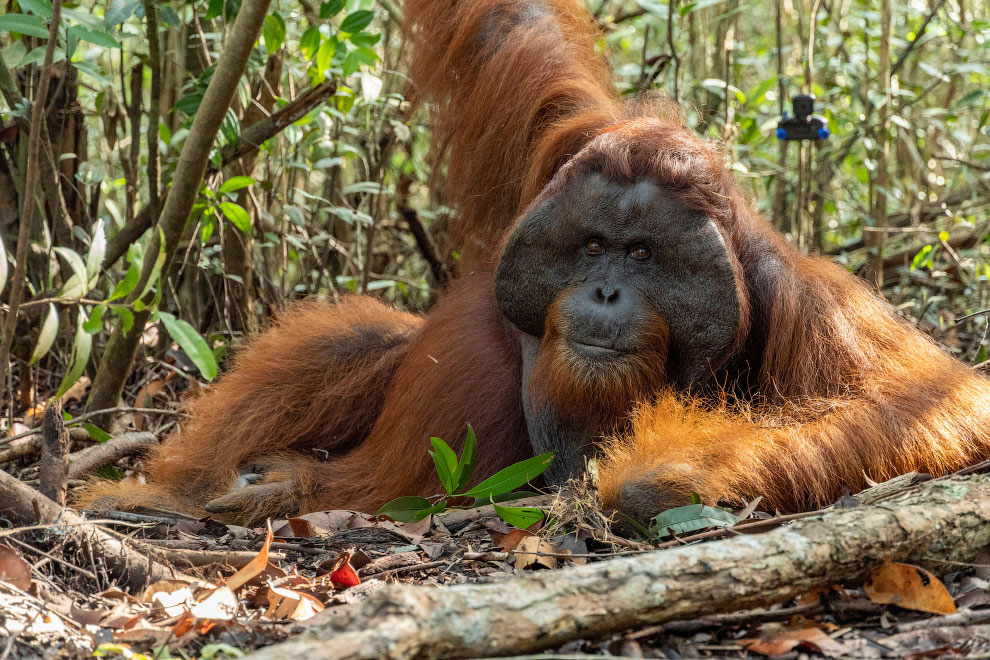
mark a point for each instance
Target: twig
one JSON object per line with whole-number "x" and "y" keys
{"x": 87, "y": 416}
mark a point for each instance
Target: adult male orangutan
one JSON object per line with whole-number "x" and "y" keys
{"x": 620, "y": 298}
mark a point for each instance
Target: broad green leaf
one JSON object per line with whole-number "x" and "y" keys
{"x": 691, "y": 518}
{"x": 364, "y": 39}
{"x": 75, "y": 286}
{"x": 41, "y": 8}
{"x": 309, "y": 42}
{"x": 33, "y": 26}
{"x": 96, "y": 433}
{"x": 519, "y": 516}
{"x": 49, "y": 330}
{"x": 357, "y": 57}
{"x": 237, "y": 216}
{"x": 331, "y": 8}
{"x": 97, "y": 37}
{"x": 357, "y": 21}
{"x": 439, "y": 507}
{"x": 445, "y": 461}
{"x": 324, "y": 56}
{"x": 120, "y": 11}
{"x": 404, "y": 509}
{"x": 235, "y": 183}
{"x": 512, "y": 477}
{"x": 82, "y": 344}
{"x": 465, "y": 466}
{"x": 94, "y": 259}
{"x": 126, "y": 285}
{"x": 273, "y": 32}
{"x": 95, "y": 323}
{"x": 126, "y": 317}
{"x": 192, "y": 343}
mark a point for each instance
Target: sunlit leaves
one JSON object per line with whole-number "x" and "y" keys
{"x": 237, "y": 216}
{"x": 273, "y": 32}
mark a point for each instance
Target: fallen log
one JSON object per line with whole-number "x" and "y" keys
{"x": 947, "y": 519}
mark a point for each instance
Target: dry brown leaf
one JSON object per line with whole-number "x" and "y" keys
{"x": 910, "y": 587}
{"x": 525, "y": 557}
{"x": 13, "y": 569}
{"x": 254, "y": 567}
{"x": 512, "y": 540}
{"x": 784, "y": 642}
{"x": 293, "y": 605}
{"x": 162, "y": 586}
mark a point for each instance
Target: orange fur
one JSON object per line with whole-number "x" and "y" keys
{"x": 823, "y": 385}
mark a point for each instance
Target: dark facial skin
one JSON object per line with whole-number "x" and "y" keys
{"x": 616, "y": 260}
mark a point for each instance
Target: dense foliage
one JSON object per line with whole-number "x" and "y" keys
{"x": 339, "y": 196}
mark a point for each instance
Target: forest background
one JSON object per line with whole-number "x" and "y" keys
{"x": 319, "y": 181}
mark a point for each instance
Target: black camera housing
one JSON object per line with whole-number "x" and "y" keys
{"x": 803, "y": 125}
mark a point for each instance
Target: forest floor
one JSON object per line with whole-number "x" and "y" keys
{"x": 231, "y": 589}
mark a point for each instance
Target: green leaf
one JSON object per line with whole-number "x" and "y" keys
{"x": 309, "y": 42}
{"x": 192, "y": 343}
{"x": 357, "y": 21}
{"x": 97, "y": 37}
{"x": 49, "y": 330}
{"x": 445, "y": 461}
{"x": 95, "y": 323}
{"x": 273, "y": 32}
{"x": 357, "y": 57}
{"x": 364, "y": 39}
{"x": 98, "y": 434}
{"x": 126, "y": 285}
{"x": 691, "y": 518}
{"x": 519, "y": 516}
{"x": 75, "y": 286}
{"x": 126, "y": 317}
{"x": 120, "y": 11}
{"x": 41, "y": 8}
{"x": 235, "y": 183}
{"x": 94, "y": 258}
{"x": 404, "y": 509}
{"x": 439, "y": 507}
{"x": 324, "y": 56}
{"x": 82, "y": 344}
{"x": 465, "y": 466}
{"x": 237, "y": 216}
{"x": 512, "y": 477}
{"x": 33, "y": 26}
{"x": 331, "y": 8}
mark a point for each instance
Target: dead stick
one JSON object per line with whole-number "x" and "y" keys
{"x": 54, "y": 472}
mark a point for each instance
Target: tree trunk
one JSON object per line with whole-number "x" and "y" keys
{"x": 118, "y": 358}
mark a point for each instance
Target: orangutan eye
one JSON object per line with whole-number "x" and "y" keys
{"x": 640, "y": 253}
{"x": 594, "y": 248}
